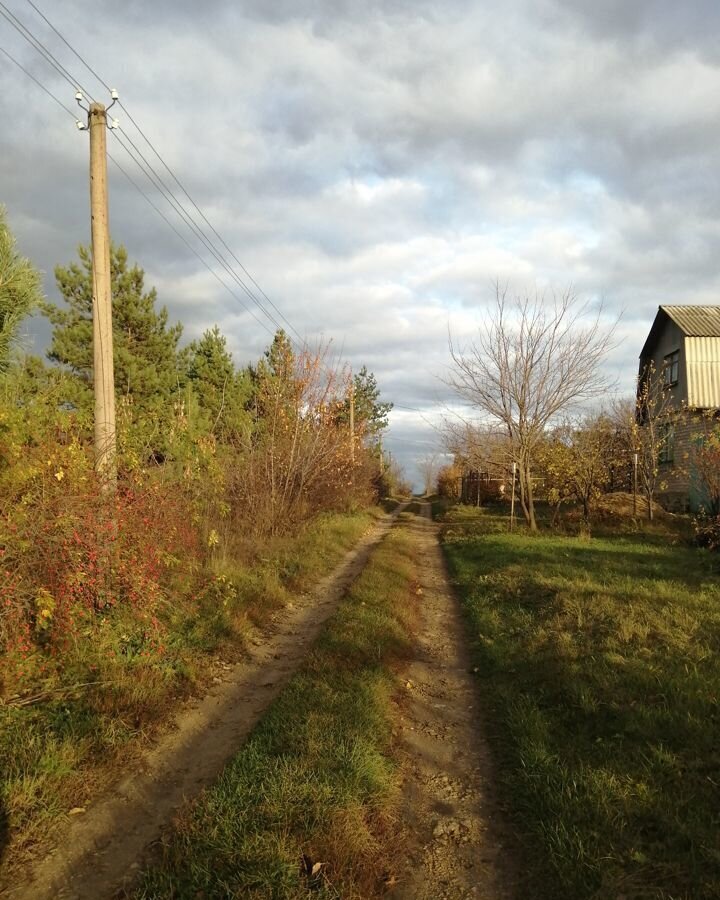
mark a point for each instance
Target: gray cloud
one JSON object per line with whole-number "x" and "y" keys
{"x": 379, "y": 165}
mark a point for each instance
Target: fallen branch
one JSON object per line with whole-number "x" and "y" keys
{"x": 29, "y": 699}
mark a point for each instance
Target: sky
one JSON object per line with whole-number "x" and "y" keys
{"x": 379, "y": 166}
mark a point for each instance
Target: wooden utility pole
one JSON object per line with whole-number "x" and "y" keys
{"x": 635, "y": 468}
{"x": 512, "y": 501}
{"x": 103, "y": 374}
{"x": 352, "y": 422}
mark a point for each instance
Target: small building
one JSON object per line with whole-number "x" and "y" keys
{"x": 683, "y": 351}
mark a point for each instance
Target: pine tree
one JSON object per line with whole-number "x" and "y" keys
{"x": 220, "y": 390}
{"x": 280, "y": 357}
{"x": 371, "y": 415}
{"x": 145, "y": 346}
{"x": 19, "y": 290}
{"x": 273, "y": 380}
{"x": 369, "y": 410}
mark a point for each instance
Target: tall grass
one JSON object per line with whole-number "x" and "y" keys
{"x": 599, "y": 665}
{"x": 82, "y": 723}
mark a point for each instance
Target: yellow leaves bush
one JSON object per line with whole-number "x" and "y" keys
{"x": 44, "y": 611}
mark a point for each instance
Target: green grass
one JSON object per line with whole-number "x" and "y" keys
{"x": 316, "y": 782}
{"x": 599, "y": 666}
{"x": 56, "y": 753}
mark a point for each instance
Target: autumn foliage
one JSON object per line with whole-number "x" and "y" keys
{"x": 212, "y": 461}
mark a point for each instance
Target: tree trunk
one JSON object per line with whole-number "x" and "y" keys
{"x": 531, "y": 508}
{"x": 529, "y": 505}
{"x": 523, "y": 500}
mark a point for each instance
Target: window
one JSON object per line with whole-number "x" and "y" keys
{"x": 666, "y": 453}
{"x": 671, "y": 368}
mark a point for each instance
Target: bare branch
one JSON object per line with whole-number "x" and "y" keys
{"x": 535, "y": 359}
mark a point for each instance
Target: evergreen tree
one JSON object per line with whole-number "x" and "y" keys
{"x": 220, "y": 390}
{"x": 280, "y": 357}
{"x": 145, "y": 348}
{"x": 369, "y": 410}
{"x": 273, "y": 380}
{"x": 19, "y": 290}
{"x": 371, "y": 415}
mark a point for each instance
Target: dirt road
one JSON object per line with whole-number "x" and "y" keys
{"x": 456, "y": 837}
{"x": 456, "y": 831}
{"x": 100, "y": 850}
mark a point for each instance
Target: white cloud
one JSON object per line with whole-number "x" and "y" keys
{"x": 378, "y": 165}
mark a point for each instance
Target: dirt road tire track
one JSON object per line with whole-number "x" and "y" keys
{"x": 100, "y": 851}
{"x": 459, "y": 843}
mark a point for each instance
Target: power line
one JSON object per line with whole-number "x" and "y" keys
{"x": 38, "y": 45}
{"x": 177, "y": 206}
{"x": 414, "y": 409}
{"x": 184, "y": 213}
{"x": 139, "y": 189}
{"x": 207, "y": 221}
{"x": 160, "y": 185}
{"x": 70, "y": 47}
{"x": 39, "y": 83}
{"x": 181, "y": 236}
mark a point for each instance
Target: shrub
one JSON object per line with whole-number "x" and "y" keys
{"x": 68, "y": 558}
{"x": 707, "y": 531}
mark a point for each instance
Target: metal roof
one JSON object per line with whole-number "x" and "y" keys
{"x": 695, "y": 321}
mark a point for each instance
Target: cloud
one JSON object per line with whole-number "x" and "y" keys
{"x": 378, "y": 165}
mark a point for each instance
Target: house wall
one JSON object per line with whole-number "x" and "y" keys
{"x": 703, "y": 372}
{"x": 674, "y": 477}
{"x": 698, "y": 388}
{"x": 671, "y": 339}
{"x": 680, "y": 489}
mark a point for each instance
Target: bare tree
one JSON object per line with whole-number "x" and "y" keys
{"x": 534, "y": 359}
{"x": 429, "y": 468}
{"x": 478, "y": 449}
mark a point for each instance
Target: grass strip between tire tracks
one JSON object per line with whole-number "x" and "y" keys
{"x": 308, "y": 806}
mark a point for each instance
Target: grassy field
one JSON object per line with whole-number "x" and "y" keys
{"x": 599, "y": 665}
{"x": 62, "y": 746}
{"x": 308, "y": 807}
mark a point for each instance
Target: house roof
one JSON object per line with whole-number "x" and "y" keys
{"x": 696, "y": 321}
{"x": 693, "y": 321}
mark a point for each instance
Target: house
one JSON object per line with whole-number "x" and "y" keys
{"x": 682, "y": 354}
